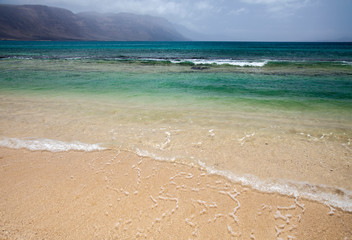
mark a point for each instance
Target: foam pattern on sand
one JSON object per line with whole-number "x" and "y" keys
{"x": 330, "y": 196}
{"x": 116, "y": 194}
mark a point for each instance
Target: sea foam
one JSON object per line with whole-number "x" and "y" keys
{"x": 331, "y": 196}
{"x": 328, "y": 195}
{"x": 241, "y": 63}
{"x": 145, "y": 153}
{"x": 43, "y": 144}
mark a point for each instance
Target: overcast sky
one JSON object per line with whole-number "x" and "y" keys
{"x": 235, "y": 20}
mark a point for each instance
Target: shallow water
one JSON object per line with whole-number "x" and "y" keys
{"x": 276, "y": 116}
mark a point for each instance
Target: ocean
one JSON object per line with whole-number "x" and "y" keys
{"x": 274, "y": 116}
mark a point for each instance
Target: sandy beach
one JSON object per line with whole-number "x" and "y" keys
{"x": 175, "y": 140}
{"x": 116, "y": 194}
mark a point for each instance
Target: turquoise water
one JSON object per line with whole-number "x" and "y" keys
{"x": 310, "y": 79}
{"x": 294, "y": 92}
{"x": 293, "y": 80}
{"x": 275, "y": 111}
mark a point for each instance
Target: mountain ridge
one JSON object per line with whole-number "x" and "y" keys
{"x": 40, "y": 22}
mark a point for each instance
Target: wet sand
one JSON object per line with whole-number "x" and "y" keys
{"x": 116, "y": 194}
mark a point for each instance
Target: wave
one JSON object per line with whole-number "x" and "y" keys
{"x": 195, "y": 61}
{"x": 42, "y": 144}
{"x": 238, "y": 62}
{"x": 331, "y": 196}
{"x": 328, "y": 195}
{"x": 347, "y": 63}
{"x": 241, "y": 63}
{"x": 16, "y": 57}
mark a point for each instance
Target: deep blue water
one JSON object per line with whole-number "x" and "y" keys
{"x": 182, "y": 50}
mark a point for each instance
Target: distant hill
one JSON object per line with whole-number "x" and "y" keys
{"x": 37, "y": 22}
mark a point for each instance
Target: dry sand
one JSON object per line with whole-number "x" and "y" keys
{"x": 120, "y": 195}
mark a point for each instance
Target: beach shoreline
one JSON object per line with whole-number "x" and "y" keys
{"x": 175, "y": 140}
{"x": 113, "y": 194}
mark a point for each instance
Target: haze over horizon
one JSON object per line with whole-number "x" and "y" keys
{"x": 227, "y": 20}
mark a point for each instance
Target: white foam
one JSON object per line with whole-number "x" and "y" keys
{"x": 241, "y": 63}
{"x": 321, "y": 193}
{"x": 37, "y": 144}
{"x": 167, "y": 142}
{"x": 21, "y": 58}
{"x": 76, "y": 58}
{"x": 331, "y": 196}
{"x": 145, "y": 153}
{"x": 347, "y": 63}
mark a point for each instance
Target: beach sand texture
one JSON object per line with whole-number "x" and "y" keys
{"x": 116, "y": 194}
{"x": 175, "y": 140}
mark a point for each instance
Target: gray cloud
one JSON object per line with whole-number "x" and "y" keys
{"x": 280, "y": 6}
{"x": 269, "y": 20}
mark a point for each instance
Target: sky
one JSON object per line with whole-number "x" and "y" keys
{"x": 234, "y": 20}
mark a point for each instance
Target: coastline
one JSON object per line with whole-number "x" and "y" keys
{"x": 175, "y": 140}
{"x": 114, "y": 194}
